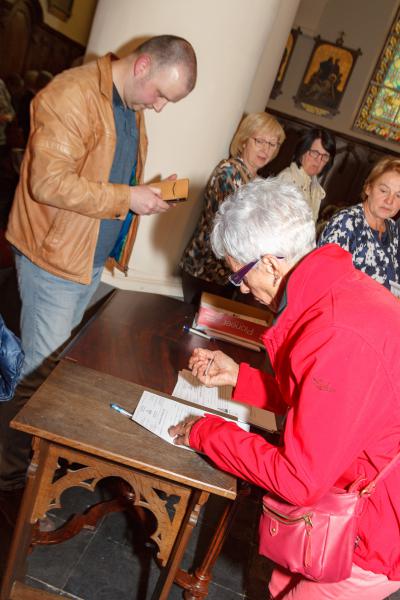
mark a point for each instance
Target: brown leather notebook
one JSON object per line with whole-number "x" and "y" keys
{"x": 173, "y": 191}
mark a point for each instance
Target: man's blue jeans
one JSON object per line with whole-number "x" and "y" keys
{"x": 51, "y": 308}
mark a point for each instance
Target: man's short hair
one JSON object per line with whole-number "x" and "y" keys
{"x": 168, "y": 50}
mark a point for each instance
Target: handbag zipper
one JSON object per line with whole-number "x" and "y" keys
{"x": 284, "y": 519}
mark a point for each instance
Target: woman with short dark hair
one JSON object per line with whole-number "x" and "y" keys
{"x": 313, "y": 157}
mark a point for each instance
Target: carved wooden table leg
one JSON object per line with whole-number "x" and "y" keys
{"x": 24, "y": 528}
{"x": 196, "y": 584}
{"x": 169, "y": 573}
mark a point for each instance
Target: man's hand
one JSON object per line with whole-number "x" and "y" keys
{"x": 146, "y": 200}
{"x": 213, "y": 367}
{"x": 181, "y": 432}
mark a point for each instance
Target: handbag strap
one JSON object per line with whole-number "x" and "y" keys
{"x": 381, "y": 475}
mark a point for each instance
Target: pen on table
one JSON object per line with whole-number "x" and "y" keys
{"x": 210, "y": 362}
{"x": 196, "y": 332}
{"x": 121, "y": 410}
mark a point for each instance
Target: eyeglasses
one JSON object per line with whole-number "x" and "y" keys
{"x": 319, "y": 155}
{"x": 260, "y": 143}
{"x": 237, "y": 278}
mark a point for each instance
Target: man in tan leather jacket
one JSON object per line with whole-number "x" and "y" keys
{"x": 80, "y": 192}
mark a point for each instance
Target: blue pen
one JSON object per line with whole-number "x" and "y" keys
{"x": 121, "y": 410}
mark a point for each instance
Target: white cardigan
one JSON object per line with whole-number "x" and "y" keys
{"x": 312, "y": 191}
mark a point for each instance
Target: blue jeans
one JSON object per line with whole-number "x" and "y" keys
{"x": 51, "y": 308}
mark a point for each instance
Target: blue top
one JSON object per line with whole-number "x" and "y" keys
{"x": 376, "y": 256}
{"x": 122, "y": 171}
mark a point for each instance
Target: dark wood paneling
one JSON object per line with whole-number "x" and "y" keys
{"x": 27, "y": 43}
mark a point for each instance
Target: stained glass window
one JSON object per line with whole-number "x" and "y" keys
{"x": 380, "y": 111}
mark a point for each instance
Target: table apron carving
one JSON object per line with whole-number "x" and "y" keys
{"x": 90, "y": 471}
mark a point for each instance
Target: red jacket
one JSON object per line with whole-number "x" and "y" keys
{"x": 335, "y": 351}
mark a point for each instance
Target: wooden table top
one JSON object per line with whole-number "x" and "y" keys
{"x": 136, "y": 339}
{"x": 139, "y": 337}
{"x": 72, "y": 408}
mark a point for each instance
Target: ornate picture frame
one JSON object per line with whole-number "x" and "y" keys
{"x": 326, "y": 77}
{"x": 285, "y": 60}
{"x": 62, "y": 9}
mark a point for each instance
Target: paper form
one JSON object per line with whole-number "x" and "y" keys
{"x": 189, "y": 388}
{"x": 158, "y": 414}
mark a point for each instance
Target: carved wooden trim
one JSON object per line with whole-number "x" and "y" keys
{"x": 94, "y": 469}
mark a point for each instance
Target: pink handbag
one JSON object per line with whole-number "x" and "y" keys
{"x": 317, "y": 541}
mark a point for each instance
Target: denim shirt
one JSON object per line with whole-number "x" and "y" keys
{"x": 125, "y": 157}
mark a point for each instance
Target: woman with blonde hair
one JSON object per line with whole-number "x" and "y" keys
{"x": 367, "y": 230}
{"x": 255, "y": 143}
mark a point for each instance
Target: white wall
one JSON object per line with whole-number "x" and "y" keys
{"x": 271, "y": 57}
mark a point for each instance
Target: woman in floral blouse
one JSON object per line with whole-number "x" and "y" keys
{"x": 367, "y": 230}
{"x": 256, "y": 143}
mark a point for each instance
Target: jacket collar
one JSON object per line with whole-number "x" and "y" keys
{"x": 312, "y": 279}
{"x": 105, "y": 72}
{"x": 299, "y": 175}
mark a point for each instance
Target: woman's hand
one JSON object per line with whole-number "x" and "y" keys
{"x": 213, "y": 367}
{"x": 181, "y": 432}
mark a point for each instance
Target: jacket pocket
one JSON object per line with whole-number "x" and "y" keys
{"x": 56, "y": 232}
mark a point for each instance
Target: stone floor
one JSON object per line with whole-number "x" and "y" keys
{"x": 115, "y": 563}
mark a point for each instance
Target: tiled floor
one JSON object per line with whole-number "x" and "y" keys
{"x": 114, "y": 562}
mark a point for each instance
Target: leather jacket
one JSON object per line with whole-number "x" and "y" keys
{"x": 63, "y": 191}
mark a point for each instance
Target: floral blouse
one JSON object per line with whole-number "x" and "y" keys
{"x": 377, "y": 257}
{"x": 198, "y": 259}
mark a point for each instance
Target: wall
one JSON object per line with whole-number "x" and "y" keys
{"x": 366, "y": 24}
{"x": 78, "y": 26}
{"x": 271, "y": 57}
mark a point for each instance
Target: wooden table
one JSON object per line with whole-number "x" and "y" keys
{"x": 140, "y": 339}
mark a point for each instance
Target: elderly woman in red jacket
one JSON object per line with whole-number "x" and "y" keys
{"x": 334, "y": 348}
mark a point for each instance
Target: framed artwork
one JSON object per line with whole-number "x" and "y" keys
{"x": 60, "y": 8}
{"x": 285, "y": 60}
{"x": 326, "y": 77}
